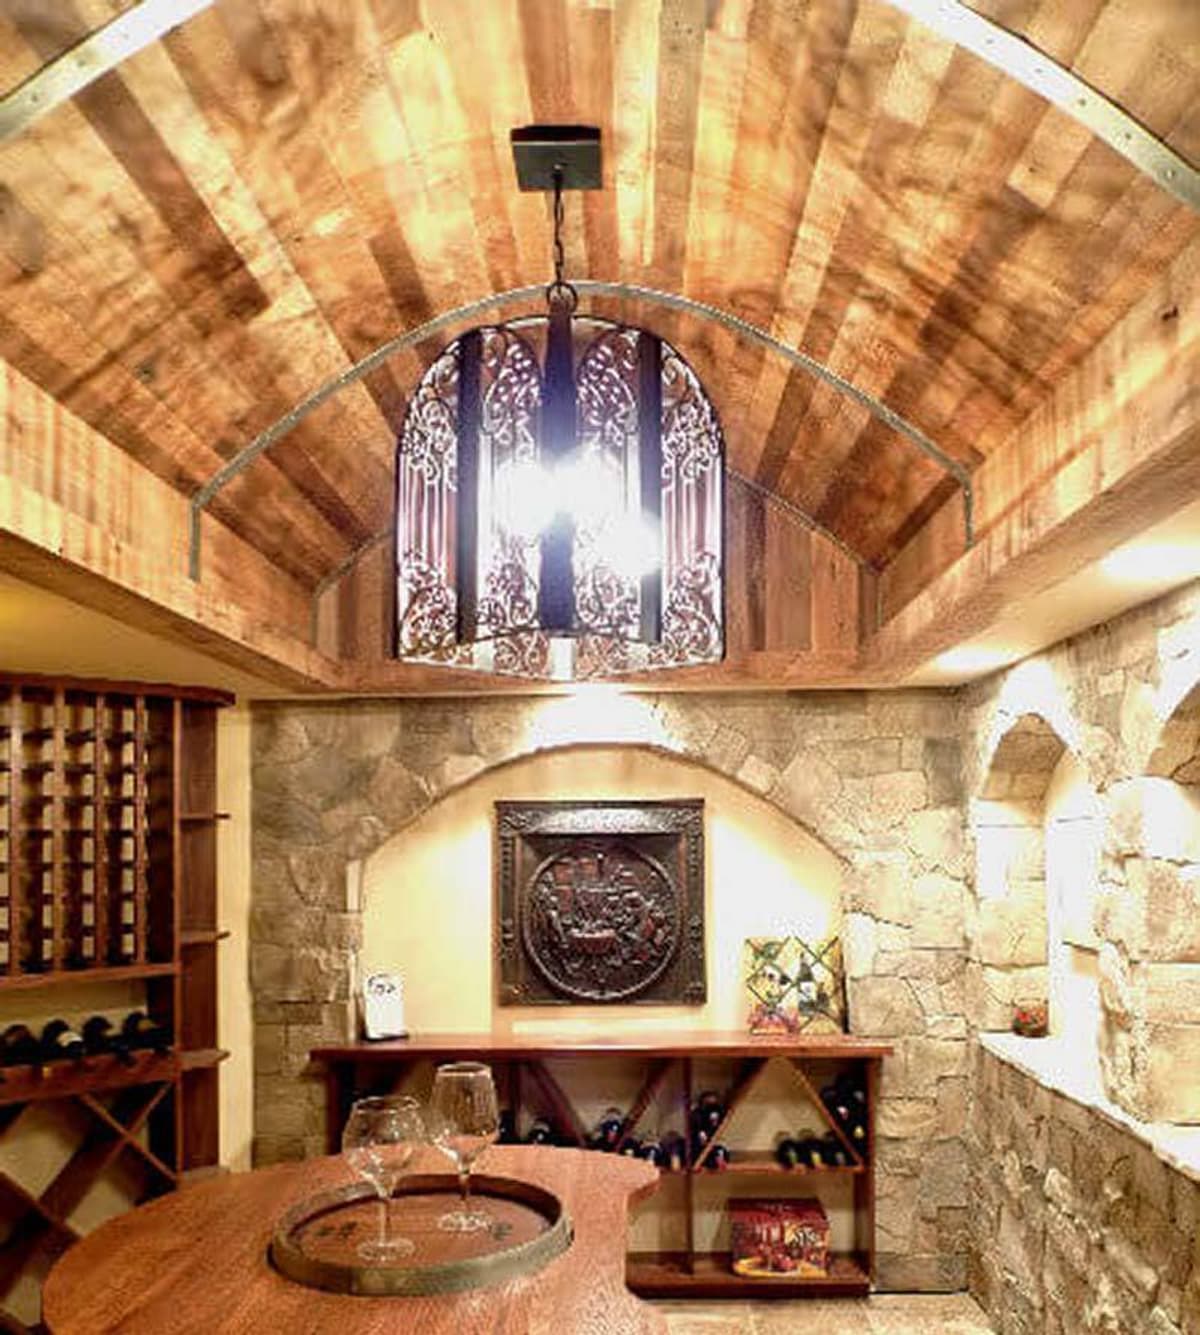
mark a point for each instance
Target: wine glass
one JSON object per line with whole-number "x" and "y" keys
{"x": 463, "y": 1121}
{"x": 379, "y": 1140}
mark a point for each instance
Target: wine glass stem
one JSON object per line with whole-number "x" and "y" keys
{"x": 464, "y": 1187}
{"x": 385, "y": 1217}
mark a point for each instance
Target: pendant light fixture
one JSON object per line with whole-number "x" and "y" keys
{"x": 559, "y": 484}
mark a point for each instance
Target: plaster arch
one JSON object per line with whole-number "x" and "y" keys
{"x": 426, "y": 895}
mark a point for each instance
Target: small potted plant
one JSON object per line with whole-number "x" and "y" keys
{"x": 1030, "y": 1017}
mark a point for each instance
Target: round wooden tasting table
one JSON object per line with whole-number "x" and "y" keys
{"x": 196, "y": 1262}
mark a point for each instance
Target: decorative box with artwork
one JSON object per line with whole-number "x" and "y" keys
{"x": 795, "y": 987}
{"x": 600, "y": 902}
{"x": 772, "y": 1238}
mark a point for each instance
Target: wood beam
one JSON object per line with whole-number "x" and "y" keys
{"x": 79, "y": 516}
{"x": 1114, "y": 449}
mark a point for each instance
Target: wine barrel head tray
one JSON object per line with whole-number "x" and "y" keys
{"x": 315, "y": 1242}
{"x": 529, "y": 1090}
{"x": 108, "y": 827}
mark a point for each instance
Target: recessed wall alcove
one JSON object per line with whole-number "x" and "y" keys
{"x": 428, "y": 898}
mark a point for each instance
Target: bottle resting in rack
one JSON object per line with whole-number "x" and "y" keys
{"x": 61, "y": 1043}
{"x": 139, "y": 1031}
{"x": 19, "y": 1046}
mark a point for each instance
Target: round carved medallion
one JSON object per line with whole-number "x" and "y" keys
{"x": 601, "y": 923}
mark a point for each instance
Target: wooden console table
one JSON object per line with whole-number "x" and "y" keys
{"x": 524, "y": 1080}
{"x": 195, "y": 1263}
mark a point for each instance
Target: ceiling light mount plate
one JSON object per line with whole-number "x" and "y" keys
{"x": 574, "y": 149}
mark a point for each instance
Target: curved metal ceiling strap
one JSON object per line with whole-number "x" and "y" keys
{"x": 513, "y": 296}
{"x": 1042, "y": 74}
{"x": 92, "y": 56}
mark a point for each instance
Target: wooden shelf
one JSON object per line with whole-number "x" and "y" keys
{"x": 67, "y": 1079}
{"x": 104, "y": 973}
{"x": 198, "y": 1059}
{"x": 668, "y": 1275}
{"x": 758, "y": 1162}
{"x": 200, "y": 937}
{"x": 101, "y": 783}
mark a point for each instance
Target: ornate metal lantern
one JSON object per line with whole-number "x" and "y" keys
{"x": 559, "y": 501}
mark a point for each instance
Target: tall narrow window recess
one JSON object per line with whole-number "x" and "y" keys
{"x": 560, "y": 484}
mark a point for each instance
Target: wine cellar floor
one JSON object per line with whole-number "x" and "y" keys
{"x": 882, "y": 1314}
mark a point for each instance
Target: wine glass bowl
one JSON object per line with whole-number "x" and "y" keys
{"x": 464, "y": 1119}
{"x": 379, "y": 1140}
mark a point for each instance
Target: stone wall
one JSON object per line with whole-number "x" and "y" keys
{"x": 1075, "y": 1225}
{"x": 1120, "y": 697}
{"x": 874, "y": 776}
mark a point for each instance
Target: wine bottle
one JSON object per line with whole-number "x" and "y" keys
{"x": 140, "y": 1032}
{"x": 674, "y": 1149}
{"x": 540, "y": 1133}
{"x": 652, "y": 1151}
{"x": 632, "y": 1148}
{"x": 834, "y": 1151}
{"x": 710, "y": 1111}
{"x": 787, "y": 1151}
{"x": 718, "y": 1157}
{"x": 609, "y": 1128}
{"x": 61, "y": 1043}
{"x": 19, "y": 1047}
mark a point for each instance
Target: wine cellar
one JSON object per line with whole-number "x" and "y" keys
{"x": 108, "y": 827}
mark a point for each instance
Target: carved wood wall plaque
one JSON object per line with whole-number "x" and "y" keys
{"x": 600, "y": 902}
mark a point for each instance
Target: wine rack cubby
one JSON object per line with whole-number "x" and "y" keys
{"x": 108, "y": 827}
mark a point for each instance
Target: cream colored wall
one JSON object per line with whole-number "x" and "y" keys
{"x": 1073, "y": 833}
{"x": 235, "y": 1011}
{"x": 428, "y": 897}
{"x": 428, "y": 893}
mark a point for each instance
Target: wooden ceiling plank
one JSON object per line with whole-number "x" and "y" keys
{"x": 177, "y": 348}
{"x": 490, "y": 108}
{"x": 636, "y": 58}
{"x": 222, "y": 178}
{"x": 1124, "y": 420}
{"x": 1017, "y": 315}
{"x": 913, "y": 90}
{"x": 993, "y": 115}
{"x": 592, "y": 59}
{"x": 874, "y": 46}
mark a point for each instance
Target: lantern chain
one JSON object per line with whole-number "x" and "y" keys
{"x": 560, "y": 290}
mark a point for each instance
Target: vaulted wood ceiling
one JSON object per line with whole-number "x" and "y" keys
{"x": 243, "y": 209}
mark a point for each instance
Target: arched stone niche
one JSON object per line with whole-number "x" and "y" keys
{"x": 1149, "y": 917}
{"x": 1008, "y": 924}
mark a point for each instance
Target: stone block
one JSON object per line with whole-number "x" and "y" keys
{"x": 757, "y": 775}
{"x": 884, "y": 1008}
{"x": 858, "y": 944}
{"x": 875, "y": 755}
{"x": 1172, "y": 1051}
{"x": 396, "y": 795}
{"x": 944, "y": 1176}
{"x": 298, "y": 974}
{"x": 908, "y": 1117}
{"x": 1172, "y": 993}
{"x": 936, "y": 839}
{"x": 895, "y": 796}
{"x": 937, "y": 911}
{"x": 882, "y": 888}
{"x": 1012, "y": 931}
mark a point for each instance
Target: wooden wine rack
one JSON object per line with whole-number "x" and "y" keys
{"x": 524, "y": 1081}
{"x": 108, "y": 874}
